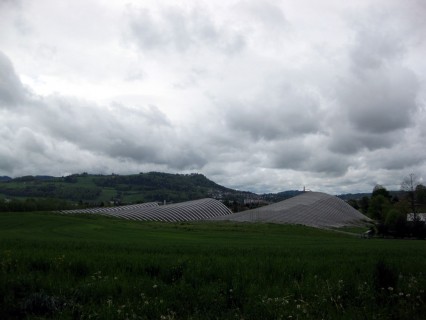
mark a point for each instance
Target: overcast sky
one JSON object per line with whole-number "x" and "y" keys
{"x": 261, "y": 95}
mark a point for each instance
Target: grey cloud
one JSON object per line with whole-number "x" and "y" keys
{"x": 380, "y": 101}
{"x": 308, "y": 156}
{"x": 266, "y": 13}
{"x": 184, "y": 157}
{"x": 379, "y": 93}
{"x": 12, "y": 11}
{"x": 387, "y": 33}
{"x": 347, "y": 141}
{"x": 28, "y": 140}
{"x": 145, "y": 32}
{"x": 272, "y": 96}
{"x": 291, "y": 154}
{"x": 179, "y": 157}
{"x": 179, "y": 29}
{"x": 21, "y": 146}
{"x": 403, "y": 161}
{"x": 328, "y": 164}
{"x": 7, "y": 161}
{"x": 282, "y": 112}
{"x": 375, "y": 46}
{"x": 91, "y": 124}
{"x": 11, "y": 90}
{"x": 119, "y": 148}
{"x": 15, "y": 4}
{"x": 138, "y": 134}
{"x": 404, "y": 155}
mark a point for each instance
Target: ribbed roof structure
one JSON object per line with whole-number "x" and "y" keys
{"x": 314, "y": 209}
{"x": 126, "y": 212}
{"x": 203, "y": 209}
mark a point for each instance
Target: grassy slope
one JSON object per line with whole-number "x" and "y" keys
{"x": 81, "y": 266}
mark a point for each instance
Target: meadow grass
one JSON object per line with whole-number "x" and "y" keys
{"x": 92, "y": 267}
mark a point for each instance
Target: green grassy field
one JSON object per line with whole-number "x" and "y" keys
{"x": 89, "y": 267}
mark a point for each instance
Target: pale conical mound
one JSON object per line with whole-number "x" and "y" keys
{"x": 314, "y": 209}
{"x": 203, "y": 209}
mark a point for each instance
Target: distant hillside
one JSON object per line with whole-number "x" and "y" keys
{"x": 280, "y": 196}
{"x": 353, "y": 196}
{"x": 119, "y": 189}
{"x": 90, "y": 190}
{"x": 358, "y": 196}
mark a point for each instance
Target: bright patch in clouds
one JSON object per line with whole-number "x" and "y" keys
{"x": 257, "y": 95}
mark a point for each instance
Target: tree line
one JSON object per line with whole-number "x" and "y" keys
{"x": 396, "y": 215}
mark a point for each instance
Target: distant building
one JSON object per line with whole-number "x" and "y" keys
{"x": 420, "y": 216}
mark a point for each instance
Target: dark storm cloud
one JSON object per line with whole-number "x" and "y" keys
{"x": 11, "y": 91}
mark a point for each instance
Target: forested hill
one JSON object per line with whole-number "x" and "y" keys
{"x": 43, "y": 192}
{"x": 118, "y": 189}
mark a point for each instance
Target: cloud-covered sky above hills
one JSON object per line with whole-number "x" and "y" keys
{"x": 257, "y": 95}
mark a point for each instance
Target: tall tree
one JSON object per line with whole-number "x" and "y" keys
{"x": 364, "y": 204}
{"x": 408, "y": 185}
{"x": 378, "y": 208}
{"x": 380, "y": 190}
{"x": 421, "y": 194}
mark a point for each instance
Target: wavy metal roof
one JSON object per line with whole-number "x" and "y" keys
{"x": 203, "y": 209}
{"x": 314, "y": 209}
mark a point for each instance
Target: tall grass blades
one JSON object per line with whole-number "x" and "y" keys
{"x": 75, "y": 267}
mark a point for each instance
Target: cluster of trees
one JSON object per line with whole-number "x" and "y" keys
{"x": 390, "y": 210}
{"x": 157, "y": 180}
{"x": 88, "y": 190}
{"x": 17, "y": 205}
{"x": 52, "y": 190}
{"x": 159, "y": 186}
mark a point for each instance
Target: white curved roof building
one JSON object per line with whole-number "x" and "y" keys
{"x": 313, "y": 209}
{"x": 203, "y": 209}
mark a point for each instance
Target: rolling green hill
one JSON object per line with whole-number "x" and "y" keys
{"x": 102, "y": 190}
